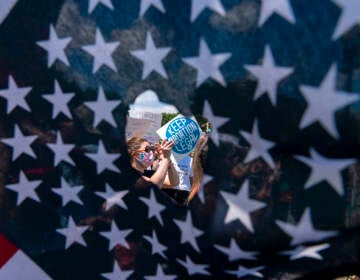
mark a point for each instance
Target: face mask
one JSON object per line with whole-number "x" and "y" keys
{"x": 146, "y": 159}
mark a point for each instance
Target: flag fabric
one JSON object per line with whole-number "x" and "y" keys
{"x": 277, "y": 79}
{"x": 16, "y": 265}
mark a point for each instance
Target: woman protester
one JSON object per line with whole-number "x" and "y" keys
{"x": 142, "y": 155}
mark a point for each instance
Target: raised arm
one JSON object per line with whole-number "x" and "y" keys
{"x": 165, "y": 174}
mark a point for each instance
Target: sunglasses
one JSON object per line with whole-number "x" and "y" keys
{"x": 148, "y": 149}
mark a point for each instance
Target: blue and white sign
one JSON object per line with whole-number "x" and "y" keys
{"x": 184, "y": 131}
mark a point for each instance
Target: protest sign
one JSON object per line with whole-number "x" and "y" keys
{"x": 185, "y": 133}
{"x": 136, "y": 127}
{"x": 155, "y": 123}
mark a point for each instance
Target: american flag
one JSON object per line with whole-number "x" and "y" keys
{"x": 279, "y": 80}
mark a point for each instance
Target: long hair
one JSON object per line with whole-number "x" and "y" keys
{"x": 134, "y": 144}
{"x": 198, "y": 166}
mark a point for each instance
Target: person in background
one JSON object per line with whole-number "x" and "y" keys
{"x": 190, "y": 170}
{"x": 198, "y": 163}
{"x": 184, "y": 168}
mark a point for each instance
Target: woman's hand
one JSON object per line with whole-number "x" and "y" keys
{"x": 165, "y": 149}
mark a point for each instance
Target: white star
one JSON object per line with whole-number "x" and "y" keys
{"x": 6, "y": 7}
{"x": 197, "y": 6}
{"x": 259, "y": 146}
{"x": 116, "y": 236}
{"x": 151, "y": 57}
{"x": 103, "y": 108}
{"x": 188, "y": 232}
{"x": 281, "y": 7}
{"x": 101, "y": 52}
{"x": 154, "y": 207}
{"x": 145, "y": 5}
{"x": 244, "y": 271}
{"x": 20, "y": 143}
{"x": 207, "y": 65}
{"x": 349, "y": 16}
{"x": 234, "y": 252}
{"x": 193, "y": 268}
{"x": 304, "y": 231}
{"x": 113, "y": 198}
{"x": 157, "y": 247}
{"x": 73, "y": 233}
{"x": 61, "y": 150}
{"x": 15, "y": 96}
{"x": 160, "y": 275}
{"x": 68, "y": 193}
{"x": 59, "y": 101}
{"x": 323, "y": 168}
{"x": 215, "y": 121}
{"x": 324, "y": 101}
{"x": 268, "y": 75}
{"x": 103, "y": 160}
{"x": 206, "y": 179}
{"x": 306, "y": 252}
{"x": 240, "y": 206}
{"x": 94, "y": 3}
{"x": 25, "y": 189}
{"x": 117, "y": 273}
{"x": 55, "y": 47}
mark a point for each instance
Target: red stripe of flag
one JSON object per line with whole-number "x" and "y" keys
{"x": 7, "y": 250}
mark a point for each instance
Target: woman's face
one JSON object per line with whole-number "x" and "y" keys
{"x": 145, "y": 155}
{"x": 144, "y": 145}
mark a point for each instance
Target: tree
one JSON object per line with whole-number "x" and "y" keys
{"x": 167, "y": 117}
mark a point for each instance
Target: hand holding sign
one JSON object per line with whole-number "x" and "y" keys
{"x": 184, "y": 132}
{"x": 164, "y": 149}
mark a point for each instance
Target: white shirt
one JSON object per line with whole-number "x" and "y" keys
{"x": 185, "y": 172}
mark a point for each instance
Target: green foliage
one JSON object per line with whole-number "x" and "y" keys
{"x": 201, "y": 121}
{"x": 167, "y": 117}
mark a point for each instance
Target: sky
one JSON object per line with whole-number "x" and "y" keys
{"x": 148, "y": 101}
